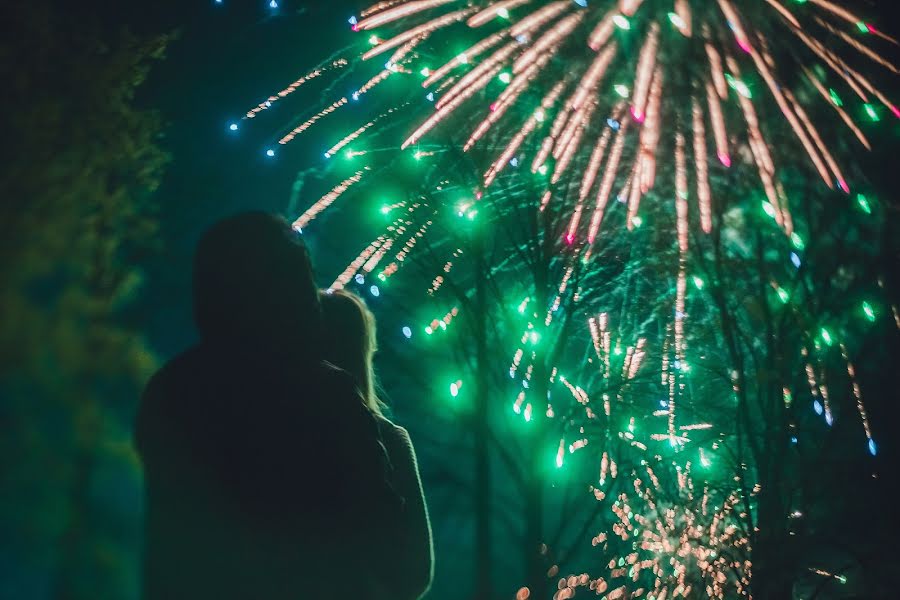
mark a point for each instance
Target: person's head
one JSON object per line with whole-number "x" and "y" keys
{"x": 350, "y": 340}
{"x": 254, "y": 288}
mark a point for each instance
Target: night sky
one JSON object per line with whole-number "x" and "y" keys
{"x": 227, "y": 58}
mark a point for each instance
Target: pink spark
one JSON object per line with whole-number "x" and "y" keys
{"x": 724, "y": 159}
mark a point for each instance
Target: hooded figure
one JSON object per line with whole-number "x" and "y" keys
{"x": 258, "y": 457}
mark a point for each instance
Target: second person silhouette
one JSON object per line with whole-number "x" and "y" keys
{"x": 350, "y": 344}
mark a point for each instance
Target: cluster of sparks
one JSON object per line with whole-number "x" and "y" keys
{"x": 669, "y": 547}
{"x": 669, "y": 536}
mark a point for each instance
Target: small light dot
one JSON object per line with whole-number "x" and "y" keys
{"x": 233, "y": 127}
{"x": 270, "y": 152}
{"x": 407, "y": 332}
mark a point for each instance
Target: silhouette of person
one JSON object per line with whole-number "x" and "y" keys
{"x": 351, "y": 345}
{"x": 257, "y": 455}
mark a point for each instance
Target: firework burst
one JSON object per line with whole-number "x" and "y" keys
{"x": 681, "y": 69}
{"x": 595, "y": 93}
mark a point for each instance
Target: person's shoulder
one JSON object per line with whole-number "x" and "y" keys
{"x": 162, "y": 395}
{"x": 176, "y": 370}
{"x": 390, "y": 430}
{"x": 389, "y": 425}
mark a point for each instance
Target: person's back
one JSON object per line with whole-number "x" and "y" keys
{"x": 255, "y": 453}
{"x": 406, "y": 573}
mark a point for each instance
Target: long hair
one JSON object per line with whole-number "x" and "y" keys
{"x": 350, "y": 341}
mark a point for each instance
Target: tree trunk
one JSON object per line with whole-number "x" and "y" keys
{"x": 535, "y": 563}
{"x": 481, "y": 428}
{"x": 772, "y": 552}
{"x": 535, "y": 560}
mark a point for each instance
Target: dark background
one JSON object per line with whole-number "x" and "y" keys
{"x": 227, "y": 58}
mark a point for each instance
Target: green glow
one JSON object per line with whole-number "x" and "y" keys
{"x": 769, "y": 209}
{"x": 462, "y": 58}
{"x": 462, "y": 209}
{"x": 873, "y": 114}
{"x": 676, "y": 20}
{"x": 698, "y": 282}
{"x": 523, "y": 304}
{"x": 835, "y": 98}
{"x": 539, "y": 115}
{"x": 503, "y": 13}
{"x": 425, "y": 72}
{"x": 621, "y": 90}
{"x": 782, "y": 295}
{"x": 864, "y": 204}
{"x": 739, "y": 86}
{"x": 622, "y": 22}
{"x": 826, "y": 336}
{"x": 542, "y": 169}
{"x": 454, "y": 389}
{"x": 429, "y": 330}
{"x": 797, "y": 241}
{"x": 863, "y": 28}
{"x": 868, "y": 311}
{"x": 373, "y": 39}
{"x": 637, "y": 221}
{"x": 505, "y": 77}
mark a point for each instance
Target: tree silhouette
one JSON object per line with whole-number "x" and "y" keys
{"x": 76, "y": 216}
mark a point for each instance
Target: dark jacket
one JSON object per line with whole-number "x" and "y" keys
{"x": 263, "y": 481}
